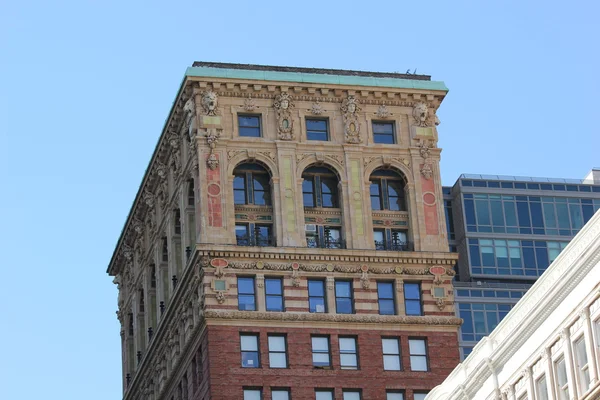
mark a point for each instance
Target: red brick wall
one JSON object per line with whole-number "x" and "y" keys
{"x": 227, "y": 377}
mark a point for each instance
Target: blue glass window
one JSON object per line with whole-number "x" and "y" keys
{"x": 546, "y": 186}
{"x": 343, "y": 297}
{"x": 520, "y": 185}
{"x": 316, "y": 296}
{"x": 506, "y": 185}
{"x": 249, "y": 125}
{"x": 246, "y": 294}
{"x": 466, "y": 183}
{"x": 493, "y": 184}
{"x": 412, "y": 298}
{"x": 384, "y": 132}
{"x": 274, "y": 294}
{"x": 385, "y": 298}
{"x": 317, "y": 129}
{"x": 479, "y": 184}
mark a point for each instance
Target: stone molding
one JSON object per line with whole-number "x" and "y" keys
{"x": 350, "y": 318}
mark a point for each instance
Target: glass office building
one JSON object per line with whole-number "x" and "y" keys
{"x": 507, "y": 231}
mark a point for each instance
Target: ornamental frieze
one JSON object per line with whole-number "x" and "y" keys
{"x": 352, "y": 318}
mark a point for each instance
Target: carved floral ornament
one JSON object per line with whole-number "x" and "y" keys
{"x": 249, "y": 104}
{"x": 285, "y": 125}
{"x": 295, "y": 266}
{"x": 316, "y": 108}
{"x": 382, "y": 111}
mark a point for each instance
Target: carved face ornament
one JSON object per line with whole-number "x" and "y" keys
{"x": 421, "y": 113}
{"x": 209, "y": 102}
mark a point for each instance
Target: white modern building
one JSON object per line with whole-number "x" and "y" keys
{"x": 548, "y": 346}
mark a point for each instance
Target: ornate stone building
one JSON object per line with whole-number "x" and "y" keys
{"x": 288, "y": 239}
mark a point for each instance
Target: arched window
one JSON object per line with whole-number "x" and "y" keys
{"x": 387, "y": 194}
{"x": 320, "y": 190}
{"x": 251, "y": 185}
{"x": 252, "y": 192}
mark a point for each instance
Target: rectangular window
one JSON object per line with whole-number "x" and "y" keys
{"x": 541, "y": 388}
{"x": 249, "y": 125}
{"x": 418, "y": 354}
{"x": 316, "y": 296}
{"x": 252, "y": 394}
{"x": 280, "y": 394}
{"x": 385, "y": 297}
{"x": 246, "y": 295}
{"x": 582, "y": 364}
{"x": 343, "y": 297}
{"x": 379, "y": 237}
{"x": 308, "y": 192}
{"x": 394, "y": 395}
{"x": 249, "y": 350}
{"x": 320, "y": 351}
{"x": 391, "y": 354}
{"x": 384, "y": 132}
{"x": 351, "y": 394}
{"x": 420, "y": 395}
{"x": 348, "y": 353}
{"x": 324, "y": 394}
{"x": 412, "y": 299}
{"x": 561, "y": 378}
{"x": 274, "y": 294}
{"x": 317, "y": 129}
{"x": 277, "y": 351}
{"x": 376, "y": 197}
{"x": 239, "y": 189}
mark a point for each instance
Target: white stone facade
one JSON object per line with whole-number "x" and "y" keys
{"x": 548, "y": 347}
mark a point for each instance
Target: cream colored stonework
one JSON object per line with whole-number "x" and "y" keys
{"x": 171, "y": 264}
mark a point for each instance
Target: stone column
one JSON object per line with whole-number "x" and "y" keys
{"x": 355, "y": 192}
{"x": 260, "y": 293}
{"x": 330, "y": 294}
{"x": 291, "y": 220}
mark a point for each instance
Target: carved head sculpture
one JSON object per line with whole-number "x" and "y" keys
{"x": 420, "y": 114}
{"x": 209, "y": 102}
{"x": 189, "y": 106}
{"x": 283, "y": 102}
{"x": 350, "y": 105}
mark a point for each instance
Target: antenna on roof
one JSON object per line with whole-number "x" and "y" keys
{"x": 408, "y": 71}
{"x": 415, "y": 72}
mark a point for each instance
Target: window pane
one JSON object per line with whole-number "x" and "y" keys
{"x": 249, "y": 343}
{"x": 387, "y": 307}
{"x": 323, "y": 395}
{"x": 343, "y": 306}
{"x": 412, "y": 291}
{"x": 385, "y": 290}
{"x": 391, "y": 363}
{"x": 316, "y": 288}
{"x": 273, "y": 286}
{"x": 274, "y": 303}
{"x": 317, "y": 305}
{"x": 342, "y": 289}
{"x": 250, "y": 359}
{"x": 246, "y": 302}
{"x": 321, "y": 359}
{"x": 320, "y": 344}
{"x": 276, "y": 343}
{"x": 351, "y": 395}
{"x": 390, "y": 346}
{"x": 348, "y": 361}
{"x": 251, "y": 394}
{"x": 419, "y": 396}
{"x": 413, "y": 307}
{"x": 417, "y": 347}
{"x": 394, "y": 396}
{"x": 347, "y": 344}
{"x": 277, "y": 360}
{"x": 280, "y": 395}
{"x": 246, "y": 285}
{"x": 418, "y": 363}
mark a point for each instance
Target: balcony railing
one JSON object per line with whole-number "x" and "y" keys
{"x": 252, "y": 240}
{"x": 394, "y": 246}
{"x": 326, "y": 243}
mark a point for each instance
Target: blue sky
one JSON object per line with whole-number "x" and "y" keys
{"x": 85, "y": 88}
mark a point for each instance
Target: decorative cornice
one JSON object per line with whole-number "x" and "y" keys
{"x": 351, "y": 318}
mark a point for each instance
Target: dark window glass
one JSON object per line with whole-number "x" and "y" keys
{"x": 343, "y": 297}
{"x": 249, "y": 350}
{"x": 274, "y": 294}
{"x": 251, "y": 185}
{"x": 383, "y": 132}
{"x": 308, "y": 192}
{"x": 412, "y": 299}
{"x": 479, "y": 183}
{"x": 262, "y": 195}
{"x": 246, "y": 298}
{"x": 316, "y": 129}
{"x": 470, "y": 212}
{"x": 520, "y": 185}
{"x": 396, "y": 195}
{"x": 584, "y": 188}
{"x": 329, "y": 193}
{"x": 533, "y": 186}
{"x": 249, "y": 125}
{"x": 385, "y": 297}
{"x": 466, "y": 183}
{"x": 559, "y": 187}
{"x": 239, "y": 189}
{"x": 316, "y": 296}
{"x": 493, "y": 184}
{"x": 506, "y": 185}
{"x": 376, "y": 197}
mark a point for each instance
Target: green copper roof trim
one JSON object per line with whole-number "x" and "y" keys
{"x": 314, "y": 78}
